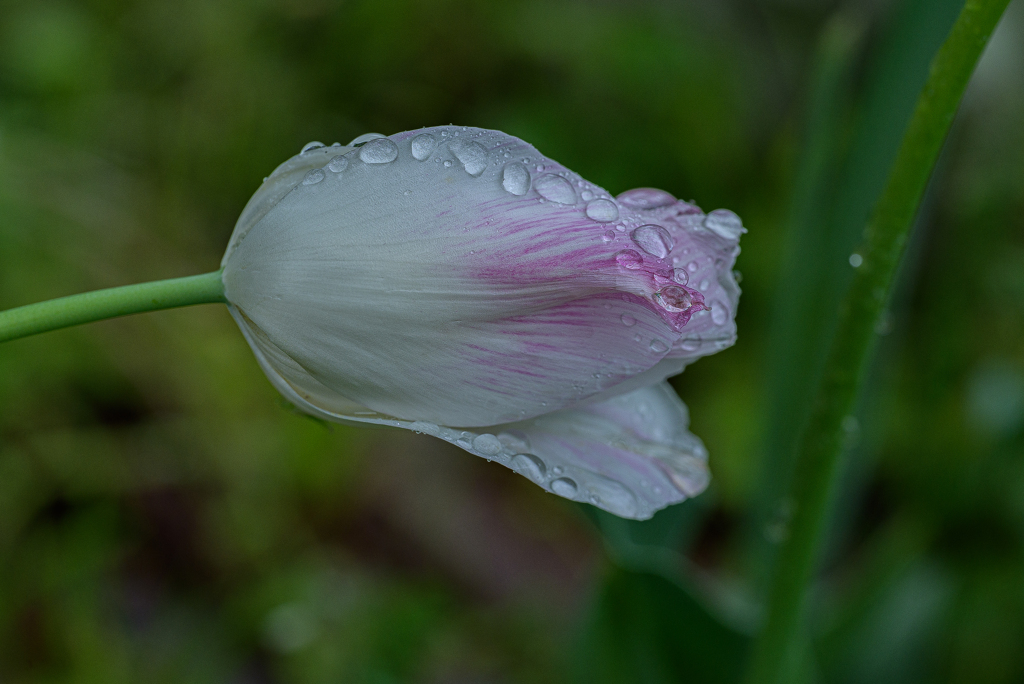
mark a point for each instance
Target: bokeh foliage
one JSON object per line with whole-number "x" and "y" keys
{"x": 165, "y": 517}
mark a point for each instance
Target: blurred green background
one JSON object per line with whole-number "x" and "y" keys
{"x": 165, "y": 517}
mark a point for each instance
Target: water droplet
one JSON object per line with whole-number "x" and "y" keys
{"x": 313, "y": 177}
{"x": 563, "y": 486}
{"x": 514, "y": 440}
{"x": 379, "y": 151}
{"x": 658, "y": 346}
{"x": 487, "y": 444}
{"x": 602, "y": 210}
{"x": 608, "y": 236}
{"x": 628, "y": 320}
{"x": 472, "y": 155}
{"x": 555, "y": 189}
{"x": 310, "y": 146}
{"x": 530, "y": 466}
{"x": 680, "y": 276}
{"x": 515, "y": 178}
{"x": 645, "y": 198}
{"x": 338, "y": 164}
{"x": 424, "y": 427}
{"x": 704, "y": 285}
{"x": 614, "y": 497}
{"x": 856, "y": 260}
{"x": 653, "y": 239}
{"x": 724, "y": 223}
{"x": 587, "y": 195}
{"x": 692, "y": 266}
{"x": 627, "y": 258}
{"x": 557, "y": 470}
{"x": 719, "y": 312}
{"x": 673, "y": 298}
{"x": 364, "y": 138}
{"x": 690, "y": 344}
{"x": 422, "y": 146}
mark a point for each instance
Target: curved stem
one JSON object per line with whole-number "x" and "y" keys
{"x": 111, "y": 303}
{"x": 777, "y": 655}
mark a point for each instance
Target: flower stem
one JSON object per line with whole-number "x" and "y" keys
{"x": 111, "y": 303}
{"x": 777, "y": 654}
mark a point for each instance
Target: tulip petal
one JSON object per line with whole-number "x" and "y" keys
{"x": 468, "y": 280}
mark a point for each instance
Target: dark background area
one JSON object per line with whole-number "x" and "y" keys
{"x": 164, "y": 516}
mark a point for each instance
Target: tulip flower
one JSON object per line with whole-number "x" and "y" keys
{"x": 455, "y": 282}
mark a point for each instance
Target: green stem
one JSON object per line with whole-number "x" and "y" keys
{"x": 116, "y": 301}
{"x": 777, "y": 653}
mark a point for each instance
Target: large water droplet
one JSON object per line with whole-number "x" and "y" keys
{"x": 627, "y": 320}
{"x": 310, "y": 146}
{"x": 364, "y": 138}
{"x": 627, "y": 258}
{"x": 602, "y": 210}
{"x": 555, "y": 189}
{"x": 724, "y": 223}
{"x": 658, "y": 346}
{"x": 313, "y": 177}
{"x": 379, "y": 151}
{"x": 422, "y": 146}
{"x": 530, "y": 466}
{"x": 563, "y": 486}
{"x": 646, "y": 198}
{"x": 719, "y": 312}
{"x": 515, "y": 178}
{"x": 487, "y": 444}
{"x": 673, "y": 298}
{"x": 338, "y": 164}
{"x": 653, "y": 239}
{"x": 472, "y": 155}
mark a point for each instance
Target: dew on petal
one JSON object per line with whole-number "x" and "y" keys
{"x": 704, "y": 285}
{"x": 658, "y": 346}
{"x": 515, "y": 178}
{"x": 673, "y": 298}
{"x": 555, "y": 189}
{"x": 313, "y": 177}
{"x": 422, "y": 146}
{"x": 514, "y": 440}
{"x": 364, "y": 138}
{"x": 530, "y": 466}
{"x": 379, "y": 151}
{"x": 630, "y": 259}
{"x": 692, "y": 267}
{"x": 725, "y": 223}
{"x": 615, "y": 498}
{"x": 587, "y": 195}
{"x": 487, "y": 444}
{"x": 690, "y": 343}
{"x": 645, "y": 198}
{"x": 627, "y": 320}
{"x": 680, "y": 276}
{"x": 310, "y": 146}
{"x": 719, "y": 312}
{"x": 338, "y": 164}
{"x": 653, "y": 239}
{"x": 564, "y": 486}
{"x": 602, "y": 210}
{"x": 472, "y": 155}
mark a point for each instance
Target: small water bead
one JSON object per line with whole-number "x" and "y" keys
{"x": 692, "y": 267}
{"x": 658, "y": 346}
{"x": 627, "y": 258}
{"x": 487, "y": 444}
{"x": 704, "y": 285}
{"x": 338, "y": 164}
{"x": 627, "y": 320}
{"x": 680, "y": 276}
{"x": 653, "y": 239}
{"x": 530, "y": 466}
{"x": 313, "y": 177}
{"x": 472, "y": 155}
{"x": 719, "y": 312}
{"x": 423, "y": 145}
{"x": 310, "y": 146}
{"x": 563, "y": 486}
{"x": 608, "y": 236}
{"x": 690, "y": 344}
{"x": 587, "y": 195}
{"x": 724, "y": 223}
{"x": 379, "y": 151}
{"x": 447, "y": 163}
{"x": 514, "y": 440}
{"x": 555, "y": 189}
{"x": 645, "y": 198}
{"x": 365, "y": 138}
{"x": 602, "y": 210}
{"x": 673, "y": 298}
{"x": 515, "y": 178}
